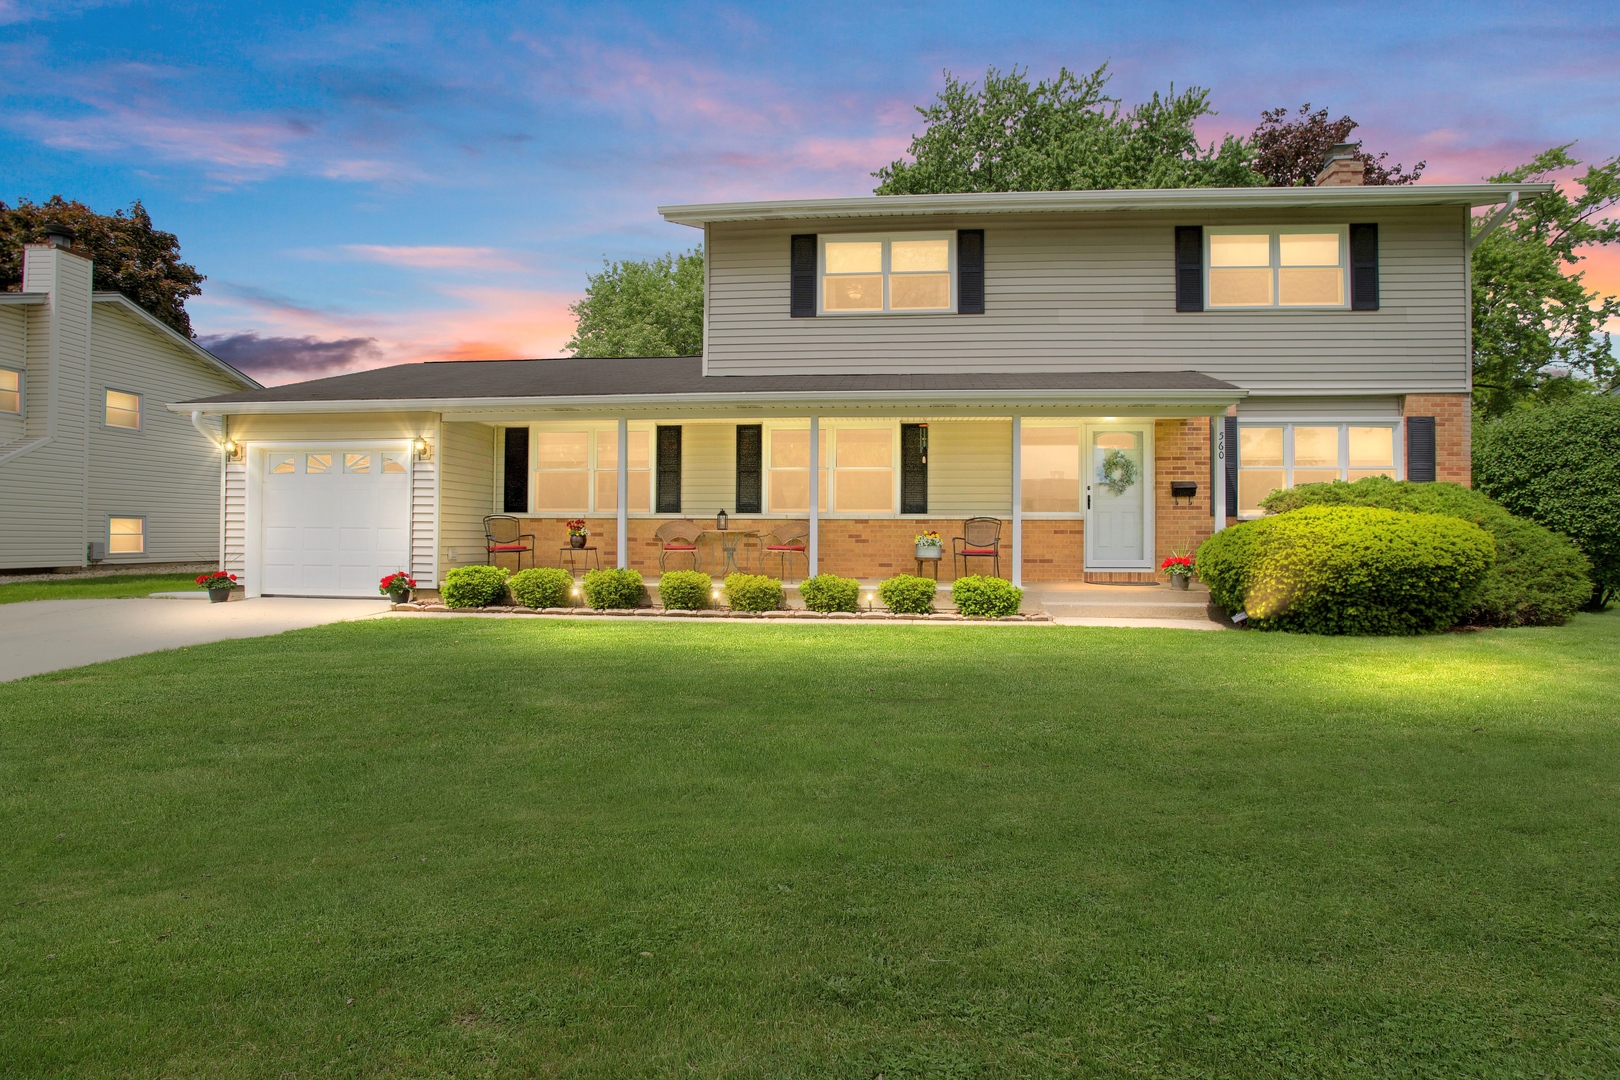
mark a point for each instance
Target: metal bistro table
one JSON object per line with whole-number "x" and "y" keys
{"x": 730, "y": 540}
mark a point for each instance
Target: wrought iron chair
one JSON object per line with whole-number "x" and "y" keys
{"x": 788, "y": 539}
{"x": 504, "y": 535}
{"x": 678, "y": 537}
{"x": 980, "y": 539}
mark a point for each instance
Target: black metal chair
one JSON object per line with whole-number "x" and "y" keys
{"x": 504, "y": 535}
{"x": 980, "y": 539}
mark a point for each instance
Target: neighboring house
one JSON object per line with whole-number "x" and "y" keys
{"x": 940, "y": 357}
{"x": 93, "y": 467}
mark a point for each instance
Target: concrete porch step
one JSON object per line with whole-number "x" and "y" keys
{"x": 1119, "y": 601}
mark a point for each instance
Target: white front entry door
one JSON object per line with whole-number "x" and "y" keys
{"x": 334, "y": 521}
{"x": 1118, "y": 469}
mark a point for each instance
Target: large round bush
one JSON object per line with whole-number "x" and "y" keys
{"x": 1559, "y": 465}
{"x": 541, "y": 586}
{"x": 992, "y": 596}
{"x": 753, "y": 592}
{"x": 829, "y": 592}
{"x": 1347, "y": 570}
{"x": 1539, "y": 577}
{"x": 685, "y": 590}
{"x": 474, "y": 586}
{"x": 613, "y": 589}
{"x": 906, "y": 594}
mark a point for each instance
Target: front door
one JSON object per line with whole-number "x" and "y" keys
{"x": 1118, "y": 476}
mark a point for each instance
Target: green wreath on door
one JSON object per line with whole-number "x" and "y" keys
{"x": 1118, "y": 472}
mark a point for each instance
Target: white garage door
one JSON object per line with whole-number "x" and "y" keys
{"x": 335, "y": 521}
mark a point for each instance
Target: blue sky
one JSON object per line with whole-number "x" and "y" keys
{"x": 381, "y": 183}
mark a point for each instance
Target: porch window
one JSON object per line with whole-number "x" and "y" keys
{"x": 863, "y": 473}
{"x": 788, "y": 485}
{"x": 1278, "y": 267}
{"x": 607, "y": 472}
{"x": 1050, "y": 470}
{"x": 10, "y": 391}
{"x": 563, "y": 478}
{"x": 872, "y": 274}
{"x": 1285, "y": 455}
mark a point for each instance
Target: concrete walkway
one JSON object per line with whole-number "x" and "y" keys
{"x": 49, "y": 635}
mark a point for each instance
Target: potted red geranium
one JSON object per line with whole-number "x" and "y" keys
{"x": 219, "y": 585}
{"x": 1180, "y": 569}
{"x": 398, "y": 586}
{"x": 577, "y": 532}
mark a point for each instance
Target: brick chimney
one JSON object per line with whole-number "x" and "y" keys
{"x": 1342, "y": 167}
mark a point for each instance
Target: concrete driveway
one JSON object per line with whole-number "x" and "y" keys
{"x": 49, "y": 635}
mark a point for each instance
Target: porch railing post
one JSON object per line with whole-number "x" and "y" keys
{"x": 813, "y": 556}
{"x": 1017, "y": 501}
{"x": 624, "y": 493}
{"x": 1217, "y": 492}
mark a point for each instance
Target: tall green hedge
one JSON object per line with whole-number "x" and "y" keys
{"x": 1539, "y": 578}
{"x": 1347, "y": 570}
{"x": 1559, "y": 465}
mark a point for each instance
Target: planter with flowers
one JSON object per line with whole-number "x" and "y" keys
{"x": 1180, "y": 569}
{"x": 929, "y": 546}
{"x": 219, "y": 585}
{"x": 577, "y": 532}
{"x": 398, "y": 586}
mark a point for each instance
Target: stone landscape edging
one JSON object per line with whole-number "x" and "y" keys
{"x": 793, "y": 614}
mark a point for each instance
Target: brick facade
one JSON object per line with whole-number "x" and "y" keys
{"x": 1181, "y": 451}
{"x": 1453, "y": 433}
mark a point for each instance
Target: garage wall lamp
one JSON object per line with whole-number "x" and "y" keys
{"x": 233, "y": 450}
{"x": 419, "y": 447}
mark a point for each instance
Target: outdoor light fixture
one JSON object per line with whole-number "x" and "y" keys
{"x": 720, "y": 521}
{"x": 868, "y": 601}
{"x": 420, "y": 448}
{"x": 233, "y": 450}
{"x": 1183, "y": 489}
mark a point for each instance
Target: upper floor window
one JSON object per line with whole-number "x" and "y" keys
{"x": 1273, "y": 456}
{"x": 1297, "y": 266}
{"x": 10, "y": 391}
{"x": 123, "y": 410}
{"x": 867, "y": 274}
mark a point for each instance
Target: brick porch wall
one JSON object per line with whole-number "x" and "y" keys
{"x": 1453, "y": 433}
{"x": 1181, "y": 451}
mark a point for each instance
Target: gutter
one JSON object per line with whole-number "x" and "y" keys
{"x": 196, "y": 422}
{"x": 1493, "y": 224}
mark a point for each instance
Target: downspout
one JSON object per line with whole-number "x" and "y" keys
{"x": 196, "y": 422}
{"x": 1494, "y": 223}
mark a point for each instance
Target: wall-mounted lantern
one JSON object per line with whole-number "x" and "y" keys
{"x": 419, "y": 447}
{"x": 233, "y": 450}
{"x": 720, "y": 521}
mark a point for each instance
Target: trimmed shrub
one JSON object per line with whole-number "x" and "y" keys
{"x": 606, "y": 589}
{"x": 685, "y": 590}
{"x": 829, "y": 592}
{"x": 541, "y": 587}
{"x": 474, "y": 586}
{"x": 1539, "y": 578}
{"x": 906, "y": 594}
{"x": 753, "y": 592}
{"x": 993, "y": 596}
{"x": 1347, "y": 570}
{"x": 1559, "y": 466}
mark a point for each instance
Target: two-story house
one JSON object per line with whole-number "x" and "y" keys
{"x": 93, "y": 467}
{"x": 1110, "y": 374}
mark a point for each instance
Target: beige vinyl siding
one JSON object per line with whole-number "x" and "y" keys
{"x": 969, "y": 467}
{"x": 424, "y": 523}
{"x": 1095, "y": 292}
{"x": 235, "y": 531}
{"x": 466, "y": 462}
{"x": 166, "y": 472}
{"x": 1330, "y": 408}
{"x": 346, "y": 427}
{"x": 708, "y": 469}
{"x": 42, "y": 493}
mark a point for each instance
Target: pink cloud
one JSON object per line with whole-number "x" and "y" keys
{"x": 428, "y": 257}
{"x": 230, "y": 148}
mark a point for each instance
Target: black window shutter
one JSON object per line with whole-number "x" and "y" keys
{"x": 802, "y": 302}
{"x": 969, "y": 272}
{"x": 750, "y": 439}
{"x": 1189, "y": 268}
{"x": 914, "y": 468}
{"x": 1420, "y": 448}
{"x": 1364, "y": 267}
{"x": 515, "y": 490}
{"x": 669, "y": 469}
{"x": 1231, "y": 466}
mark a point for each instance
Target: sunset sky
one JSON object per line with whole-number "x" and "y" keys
{"x": 387, "y": 183}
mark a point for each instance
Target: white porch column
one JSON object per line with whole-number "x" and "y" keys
{"x": 814, "y": 554}
{"x": 1217, "y": 446}
{"x": 1018, "y": 501}
{"x": 624, "y": 493}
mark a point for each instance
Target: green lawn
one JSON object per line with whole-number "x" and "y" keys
{"x": 468, "y": 848}
{"x": 96, "y": 588}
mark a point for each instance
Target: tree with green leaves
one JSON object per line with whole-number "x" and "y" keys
{"x": 131, "y": 256}
{"x": 650, "y": 307}
{"x": 1061, "y": 134}
{"x": 1539, "y": 332}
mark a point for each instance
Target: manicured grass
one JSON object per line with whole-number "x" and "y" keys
{"x": 605, "y": 849}
{"x": 96, "y": 588}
